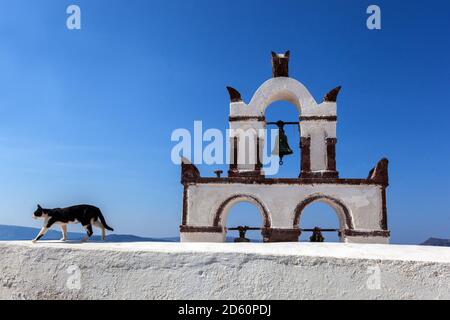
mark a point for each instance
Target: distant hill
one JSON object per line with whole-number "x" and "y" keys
{"x": 13, "y": 233}
{"x": 437, "y": 242}
{"x": 16, "y": 233}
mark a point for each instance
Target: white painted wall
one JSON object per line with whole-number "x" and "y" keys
{"x": 364, "y": 202}
{"x": 211, "y": 271}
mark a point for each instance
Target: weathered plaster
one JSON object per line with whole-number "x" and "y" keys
{"x": 213, "y": 270}
{"x": 280, "y": 200}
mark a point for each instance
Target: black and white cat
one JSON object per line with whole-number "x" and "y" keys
{"x": 87, "y": 215}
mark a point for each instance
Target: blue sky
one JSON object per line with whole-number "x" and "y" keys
{"x": 86, "y": 115}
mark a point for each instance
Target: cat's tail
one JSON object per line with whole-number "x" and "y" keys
{"x": 103, "y": 221}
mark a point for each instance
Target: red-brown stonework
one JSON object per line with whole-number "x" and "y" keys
{"x": 305, "y": 144}
{"x": 235, "y": 96}
{"x": 332, "y": 95}
{"x": 281, "y": 235}
{"x": 331, "y": 154}
{"x": 380, "y": 172}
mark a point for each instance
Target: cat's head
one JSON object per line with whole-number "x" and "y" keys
{"x": 39, "y": 213}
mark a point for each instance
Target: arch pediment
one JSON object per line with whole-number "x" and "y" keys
{"x": 282, "y": 89}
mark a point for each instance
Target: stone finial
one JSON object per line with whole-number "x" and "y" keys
{"x": 218, "y": 173}
{"x": 188, "y": 170}
{"x": 235, "y": 96}
{"x": 332, "y": 95}
{"x": 380, "y": 172}
{"x": 280, "y": 64}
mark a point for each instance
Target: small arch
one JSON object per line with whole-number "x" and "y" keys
{"x": 344, "y": 215}
{"x": 322, "y": 215}
{"x": 284, "y": 111}
{"x": 228, "y": 203}
{"x": 284, "y": 89}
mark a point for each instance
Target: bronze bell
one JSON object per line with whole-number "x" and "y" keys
{"x": 281, "y": 143}
{"x": 317, "y": 235}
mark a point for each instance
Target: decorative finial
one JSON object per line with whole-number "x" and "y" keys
{"x": 380, "y": 172}
{"x": 218, "y": 173}
{"x": 280, "y": 64}
{"x": 332, "y": 95}
{"x": 235, "y": 96}
{"x": 188, "y": 170}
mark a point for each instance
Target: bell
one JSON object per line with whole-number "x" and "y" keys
{"x": 317, "y": 235}
{"x": 281, "y": 143}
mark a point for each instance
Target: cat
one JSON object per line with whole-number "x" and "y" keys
{"x": 87, "y": 215}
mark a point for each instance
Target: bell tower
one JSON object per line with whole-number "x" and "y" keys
{"x": 318, "y": 138}
{"x": 360, "y": 204}
{"x": 317, "y": 123}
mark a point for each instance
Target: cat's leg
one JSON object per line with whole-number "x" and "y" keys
{"x": 99, "y": 225}
{"x": 88, "y": 231}
{"x": 44, "y": 229}
{"x": 64, "y": 232}
{"x": 40, "y": 234}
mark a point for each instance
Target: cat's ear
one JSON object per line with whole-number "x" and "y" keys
{"x": 39, "y": 207}
{"x": 274, "y": 55}
{"x": 287, "y": 53}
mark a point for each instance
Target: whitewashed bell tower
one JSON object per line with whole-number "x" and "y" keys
{"x": 359, "y": 203}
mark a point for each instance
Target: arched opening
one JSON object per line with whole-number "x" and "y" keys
{"x": 244, "y": 214}
{"x": 319, "y": 209}
{"x": 287, "y": 112}
{"x": 239, "y": 212}
{"x": 321, "y": 215}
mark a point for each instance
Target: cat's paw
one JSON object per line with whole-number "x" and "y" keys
{"x": 33, "y": 241}
{"x": 63, "y": 239}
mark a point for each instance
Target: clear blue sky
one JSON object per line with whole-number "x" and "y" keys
{"x": 86, "y": 116}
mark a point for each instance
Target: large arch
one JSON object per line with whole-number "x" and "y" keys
{"x": 282, "y": 89}
{"x": 225, "y": 206}
{"x": 345, "y": 218}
